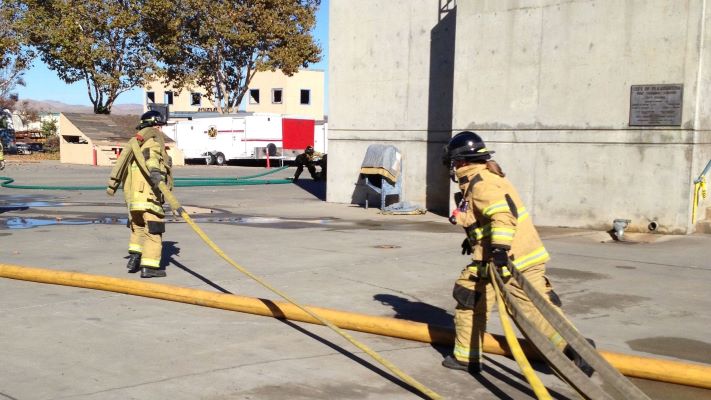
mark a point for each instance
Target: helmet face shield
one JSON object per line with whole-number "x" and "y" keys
{"x": 466, "y": 146}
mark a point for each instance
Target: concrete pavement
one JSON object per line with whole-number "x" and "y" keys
{"x": 649, "y": 297}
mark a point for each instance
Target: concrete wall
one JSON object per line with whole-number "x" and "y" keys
{"x": 386, "y": 87}
{"x": 546, "y": 83}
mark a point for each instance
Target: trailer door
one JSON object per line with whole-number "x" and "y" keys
{"x": 239, "y": 143}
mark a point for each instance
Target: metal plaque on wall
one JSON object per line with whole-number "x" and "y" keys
{"x": 656, "y": 105}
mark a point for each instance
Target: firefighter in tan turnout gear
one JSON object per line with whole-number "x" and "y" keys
{"x": 143, "y": 198}
{"x": 2, "y": 157}
{"x": 309, "y": 159}
{"x": 499, "y": 229}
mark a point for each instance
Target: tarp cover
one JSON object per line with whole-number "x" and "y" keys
{"x": 384, "y": 160}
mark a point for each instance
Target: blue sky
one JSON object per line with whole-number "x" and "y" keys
{"x": 43, "y": 84}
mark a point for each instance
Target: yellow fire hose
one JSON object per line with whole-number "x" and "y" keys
{"x": 176, "y": 207}
{"x": 699, "y": 187}
{"x": 682, "y": 373}
{"x": 538, "y": 388}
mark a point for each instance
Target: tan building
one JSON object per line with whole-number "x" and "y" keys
{"x": 269, "y": 92}
{"x": 192, "y": 100}
{"x": 300, "y": 94}
{"x": 92, "y": 139}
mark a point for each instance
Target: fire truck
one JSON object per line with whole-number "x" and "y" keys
{"x": 219, "y": 139}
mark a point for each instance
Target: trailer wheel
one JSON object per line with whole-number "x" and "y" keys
{"x": 271, "y": 150}
{"x": 220, "y": 159}
{"x": 210, "y": 159}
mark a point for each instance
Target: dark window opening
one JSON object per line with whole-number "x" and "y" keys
{"x": 195, "y": 99}
{"x": 253, "y": 96}
{"x": 151, "y": 97}
{"x": 276, "y": 96}
{"x": 168, "y": 98}
{"x": 305, "y": 96}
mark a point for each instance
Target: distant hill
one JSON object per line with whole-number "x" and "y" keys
{"x": 58, "y": 106}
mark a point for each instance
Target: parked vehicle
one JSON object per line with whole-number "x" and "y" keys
{"x": 22, "y": 148}
{"x": 36, "y": 147}
{"x": 219, "y": 139}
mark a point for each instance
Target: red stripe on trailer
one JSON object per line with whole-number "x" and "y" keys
{"x": 262, "y": 140}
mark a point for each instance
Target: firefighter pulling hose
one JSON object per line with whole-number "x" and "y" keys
{"x": 505, "y": 244}
{"x": 133, "y": 161}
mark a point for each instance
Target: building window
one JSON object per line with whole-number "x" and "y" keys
{"x": 253, "y": 96}
{"x": 150, "y": 97}
{"x": 168, "y": 98}
{"x": 305, "y": 96}
{"x": 195, "y": 99}
{"x": 276, "y": 96}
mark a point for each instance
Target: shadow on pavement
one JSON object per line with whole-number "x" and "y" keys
{"x": 419, "y": 312}
{"x": 167, "y": 257}
{"x": 315, "y": 188}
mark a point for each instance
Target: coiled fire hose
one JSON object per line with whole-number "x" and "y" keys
{"x": 177, "y": 208}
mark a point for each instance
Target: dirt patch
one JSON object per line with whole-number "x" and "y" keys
{"x": 19, "y": 158}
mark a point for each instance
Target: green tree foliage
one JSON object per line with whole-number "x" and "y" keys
{"x": 220, "y": 44}
{"x": 100, "y": 42}
{"x": 15, "y": 57}
{"x": 49, "y": 127}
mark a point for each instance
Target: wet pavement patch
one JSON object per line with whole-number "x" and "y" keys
{"x": 592, "y": 301}
{"x": 386, "y": 246}
{"x": 686, "y": 349}
{"x": 34, "y": 222}
{"x": 574, "y": 275}
{"x": 26, "y": 223}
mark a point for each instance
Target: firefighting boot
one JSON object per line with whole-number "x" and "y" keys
{"x": 452, "y": 363}
{"x": 152, "y": 272}
{"x": 134, "y": 262}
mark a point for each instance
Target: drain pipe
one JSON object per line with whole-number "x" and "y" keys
{"x": 677, "y": 372}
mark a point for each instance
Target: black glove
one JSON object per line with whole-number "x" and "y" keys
{"x": 156, "y": 178}
{"x": 466, "y": 247}
{"x": 499, "y": 257}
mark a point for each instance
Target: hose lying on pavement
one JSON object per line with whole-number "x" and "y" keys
{"x": 538, "y": 388}
{"x": 7, "y": 182}
{"x": 177, "y": 208}
{"x": 677, "y": 372}
{"x": 625, "y": 389}
{"x": 560, "y": 364}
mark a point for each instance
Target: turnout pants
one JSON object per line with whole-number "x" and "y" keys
{"x": 310, "y": 167}
{"x": 474, "y": 301}
{"x": 146, "y": 237}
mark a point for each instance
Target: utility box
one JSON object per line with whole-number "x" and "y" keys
{"x": 381, "y": 171}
